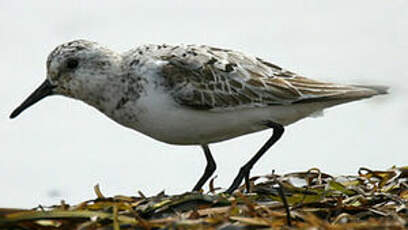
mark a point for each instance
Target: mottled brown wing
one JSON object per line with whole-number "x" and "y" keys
{"x": 206, "y": 77}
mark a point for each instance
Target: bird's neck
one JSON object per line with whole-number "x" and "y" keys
{"x": 112, "y": 94}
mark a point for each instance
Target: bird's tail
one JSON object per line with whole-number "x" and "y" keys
{"x": 347, "y": 93}
{"x": 376, "y": 89}
{"x": 357, "y": 92}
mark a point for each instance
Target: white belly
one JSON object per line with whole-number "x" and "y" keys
{"x": 186, "y": 126}
{"x": 159, "y": 117}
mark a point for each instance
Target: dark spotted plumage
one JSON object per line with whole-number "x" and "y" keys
{"x": 205, "y": 77}
{"x": 69, "y": 48}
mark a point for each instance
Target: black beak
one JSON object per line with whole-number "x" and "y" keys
{"x": 44, "y": 90}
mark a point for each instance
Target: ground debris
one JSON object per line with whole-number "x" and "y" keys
{"x": 370, "y": 200}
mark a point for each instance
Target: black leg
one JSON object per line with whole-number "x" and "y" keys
{"x": 244, "y": 171}
{"x": 209, "y": 170}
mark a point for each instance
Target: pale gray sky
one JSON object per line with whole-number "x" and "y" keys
{"x": 60, "y": 148}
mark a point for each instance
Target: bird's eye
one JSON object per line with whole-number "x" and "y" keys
{"x": 72, "y": 63}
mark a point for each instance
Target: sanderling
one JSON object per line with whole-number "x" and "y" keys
{"x": 190, "y": 94}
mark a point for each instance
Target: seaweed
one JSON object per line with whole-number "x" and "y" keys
{"x": 372, "y": 199}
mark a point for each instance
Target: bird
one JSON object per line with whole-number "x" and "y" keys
{"x": 190, "y": 94}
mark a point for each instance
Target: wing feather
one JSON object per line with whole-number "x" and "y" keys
{"x": 206, "y": 77}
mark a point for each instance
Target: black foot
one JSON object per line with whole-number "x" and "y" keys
{"x": 285, "y": 203}
{"x": 243, "y": 173}
{"x": 209, "y": 170}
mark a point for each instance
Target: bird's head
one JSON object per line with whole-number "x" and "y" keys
{"x": 73, "y": 70}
